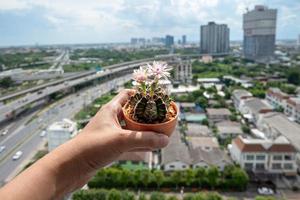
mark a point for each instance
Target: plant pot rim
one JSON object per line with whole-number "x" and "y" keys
{"x": 151, "y": 125}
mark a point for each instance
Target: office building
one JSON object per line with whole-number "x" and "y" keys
{"x": 183, "y": 39}
{"x": 169, "y": 41}
{"x": 60, "y": 132}
{"x": 259, "y": 27}
{"x": 214, "y": 38}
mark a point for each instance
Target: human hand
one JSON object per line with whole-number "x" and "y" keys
{"x": 106, "y": 140}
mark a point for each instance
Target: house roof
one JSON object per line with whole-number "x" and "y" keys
{"x": 218, "y": 111}
{"x": 279, "y": 124}
{"x": 211, "y": 156}
{"x": 204, "y": 142}
{"x": 239, "y": 93}
{"x": 175, "y": 151}
{"x": 194, "y": 129}
{"x": 280, "y": 144}
{"x": 278, "y": 93}
{"x": 257, "y": 105}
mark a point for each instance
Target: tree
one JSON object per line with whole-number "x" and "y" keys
{"x": 157, "y": 196}
{"x": 205, "y": 122}
{"x": 146, "y": 177}
{"x": 239, "y": 178}
{"x": 293, "y": 76}
{"x": 159, "y": 177}
{"x": 172, "y": 198}
{"x": 246, "y": 129}
{"x": 126, "y": 195}
{"x": 199, "y": 176}
{"x": 114, "y": 195}
{"x": 189, "y": 176}
{"x": 212, "y": 175}
{"x": 142, "y": 196}
{"x": 6, "y": 82}
{"x": 176, "y": 177}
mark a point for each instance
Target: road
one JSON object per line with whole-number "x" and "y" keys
{"x": 26, "y": 138}
{"x": 8, "y": 109}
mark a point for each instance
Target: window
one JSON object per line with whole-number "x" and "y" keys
{"x": 172, "y": 166}
{"x": 288, "y": 166}
{"x": 248, "y": 166}
{"x": 250, "y": 157}
{"x": 277, "y": 157}
{"x": 260, "y": 157}
{"x": 260, "y": 166}
{"x": 183, "y": 166}
{"x": 276, "y": 166}
{"x": 287, "y": 157}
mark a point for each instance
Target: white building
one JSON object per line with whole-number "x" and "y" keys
{"x": 292, "y": 108}
{"x": 182, "y": 70}
{"x": 238, "y": 96}
{"x": 277, "y": 98}
{"x": 265, "y": 156}
{"x": 60, "y": 132}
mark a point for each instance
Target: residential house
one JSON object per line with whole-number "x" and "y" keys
{"x": 229, "y": 129}
{"x": 197, "y": 130}
{"x": 218, "y": 114}
{"x": 238, "y": 96}
{"x": 262, "y": 156}
{"x": 277, "y": 98}
{"x": 292, "y": 108}
{"x": 176, "y": 155}
{"x": 253, "y": 107}
{"x": 207, "y": 157}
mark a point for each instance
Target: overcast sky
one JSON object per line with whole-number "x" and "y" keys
{"x": 101, "y": 21}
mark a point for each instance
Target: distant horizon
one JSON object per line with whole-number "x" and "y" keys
{"x": 27, "y": 22}
{"x": 113, "y": 43}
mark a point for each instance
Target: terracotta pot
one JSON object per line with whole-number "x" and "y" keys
{"x": 166, "y": 128}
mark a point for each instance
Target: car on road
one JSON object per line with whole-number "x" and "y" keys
{"x": 4, "y": 132}
{"x": 43, "y": 133}
{"x": 265, "y": 191}
{"x": 2, "y": 148}
{"x": 17, "y": 155}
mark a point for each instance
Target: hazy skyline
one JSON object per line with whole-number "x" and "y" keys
{"x": 101, "y": 21}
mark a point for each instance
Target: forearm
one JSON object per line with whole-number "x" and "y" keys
{"x": 56, "y": 174}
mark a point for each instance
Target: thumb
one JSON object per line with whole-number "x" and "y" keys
{"x": 145, "y": 139}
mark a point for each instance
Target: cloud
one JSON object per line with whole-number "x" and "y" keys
{"x": 118, "y": 20}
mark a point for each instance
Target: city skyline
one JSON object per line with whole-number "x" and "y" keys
{"x": 27, "y": 22}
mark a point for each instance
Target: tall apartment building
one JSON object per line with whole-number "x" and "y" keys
{"x": 169, "y": 41}
{"x": 214, "y": 38}
{"x": 262, "y": 156}
{"x": 259, "y": 27}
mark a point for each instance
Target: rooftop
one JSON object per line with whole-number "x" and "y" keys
{"x": 280, "y": 144}
{"x": 64, "y": 125}
{"x": 257, "y": 105}
{"x": 239, "y": 93}
{"x": 203, "y": 142}
{"x": 218, "y": 111}
{"x": 194, "y": 129}
{"x": 279, "y": 123}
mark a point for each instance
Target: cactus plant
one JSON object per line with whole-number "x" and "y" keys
{"x": 150, "y": 104}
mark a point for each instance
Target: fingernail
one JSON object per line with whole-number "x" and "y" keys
{"x": 163, "y": 140}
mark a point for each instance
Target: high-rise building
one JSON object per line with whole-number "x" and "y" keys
{"x": 259, "y": 33}
{"x": 169, "y": 40}
{"x": 182, "y": 69}
{"x": 214, "y": 38}
{"x": 183, "y": 39}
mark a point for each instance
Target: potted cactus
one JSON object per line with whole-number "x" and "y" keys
{"x": 150, "y": 108}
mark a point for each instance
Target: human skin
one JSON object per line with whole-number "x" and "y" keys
{"x": 72, "y": 164}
